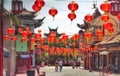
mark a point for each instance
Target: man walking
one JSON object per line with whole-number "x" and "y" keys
{"x": 60, "y": 64}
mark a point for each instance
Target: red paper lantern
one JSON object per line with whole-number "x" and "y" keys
{"x": 106, "y": 7}
{"x": 14, "y": 38}
{"x": 71, "y": 16}
{"x": 73, "y": 6}
{"x": 23, "y": 39}
{"x": 53, "y": 11}
{"x": 108, "y": 25}
{"x": 88, "y": 35}
{"x": 32, "y": 40}
{"x": 40, "y": 3}
{"x": 111, "y": 30}
{"x": 36, "y": 8}
{"x": 27, "y": 29}
{"x": 42, "y": 40}
{"x": 10, "y": 31}
{"x": 20, "y": 30}
{"x": 118, "y": 16}
{"x": 24, "y": 33}
{"x": 88, "y": 17}
{"x": 38, "y": 35}
{"x": 105, "y": 18}
{"x": 39, "y": 31}
{"x": 6, "y": 37}
{"x": 99, "y": 32}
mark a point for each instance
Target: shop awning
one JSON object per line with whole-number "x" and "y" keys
{"x": 104, "y": 53}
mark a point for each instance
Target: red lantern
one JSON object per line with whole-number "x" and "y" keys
{"x": 23, "y": 39}
{"x": 27, "y": 29}
{"x": 73, "y": 6}
{"x": 71, "y": 16}
{"x": 36, "y": 8}
{"x": 32, "y": 40}
{"x": 88, "y": 35}
{"x": 14, "y": 38}
{"x": 38, "y": 35}
{"x": 105, "y": 18}
{"x": 99, "y": 32}
{"x": 106, "y": 7}
{"x": 88, "y": 17}
{"x": 10, "y": 31}
{"x": 6, "y": 37}
{"x": 53, "y": 11}
{"x": 20, "y": 30}
{"x": 42, "y": 40}
{"x": 40, "y": 3}
{"x": 111, "y": 30}
{"x": 24, "y": 33}
{"x": 39, "y": 31}
{"x": 108, "y": 25}
{"x": 118, "y": 16}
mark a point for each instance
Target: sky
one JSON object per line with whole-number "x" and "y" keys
{"x": 61, "y": 20}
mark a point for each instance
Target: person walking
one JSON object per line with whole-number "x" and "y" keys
{"x": 60, "y": 64}
{"x": 56, "y": 66}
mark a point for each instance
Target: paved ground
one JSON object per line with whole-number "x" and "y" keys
{"x": 68, "y": 71}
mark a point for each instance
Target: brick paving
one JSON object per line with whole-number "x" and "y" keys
{"x": 68, "y": 71}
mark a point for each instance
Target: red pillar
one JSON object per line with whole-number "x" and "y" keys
{"x": 1, "y": 38}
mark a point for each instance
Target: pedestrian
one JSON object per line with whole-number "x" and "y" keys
{"x": 38, "y": 67}
{"x": 56, "y": 66}
{"x": 60, "y": 64}
{"x": 42, "y": 64}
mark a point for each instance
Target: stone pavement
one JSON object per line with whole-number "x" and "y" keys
{"x": 68, "y": 71}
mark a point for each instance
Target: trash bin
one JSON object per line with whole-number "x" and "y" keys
{"x": 31, "y": 72}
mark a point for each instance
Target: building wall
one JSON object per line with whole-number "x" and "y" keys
{"x": 9, "y": 62}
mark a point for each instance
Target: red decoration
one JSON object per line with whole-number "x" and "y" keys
{"x": 10, "y": 31}
{"x": 42, "y": 40}
{"x": 105, "y": 18}
{"x": 6, "y": 37}
{"x": 23, "y": 39}
{"x": 53, "y": 11}
{"x": 73, "y": 6}
{"x": 88, "y": 17}
{"x": 20, "y": 30}
{"x": 106, "y": 7}
{"x": 36, "y": 8}
{"x": 38, "y": 35}
{"x": 71, "y": 16}
{"x": 14, "y": 38}
{"x": 108, "y": 25}
{"x": 118, "y": 16}
{"x": 40, "y": 3}
{"x": 111, "y": 30}
{"x": 24, "y": 33}
{"x": 27, "y": 29}
{"x": 88, "y": 35}
{"x": 39, "y": 31}
{"x": 32, "y": 40}
{"x": 99, "y": 32}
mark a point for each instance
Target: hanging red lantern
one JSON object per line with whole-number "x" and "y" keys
{"x": 39, "y": 31}
{"x": 111, "y": 30}
{"x": 6, "y": 37}
{"x": 99, "y": 32}
{"x": 38, "y": 46}
{"x": 106, "y": 6}
{"x": 108, "y": 25}
{"x": 118, "y": 16}
{"x": 41, "y": 40}
{"x": 32, "y": 40}
{"x": 27, "y": 29}
{"x": 71, "y": 16}
{"x": 88, "y": 17}
{"x": 14, "y": 38}
{"x": 36, "y": 8}
{"x": 73, "y": 6}
{"x": 20, "y": 30}
{"x": 23, "y": 39}
{"x": 10, "y": 31}
{"x": 38, "y": 36}
{"x": 24, "y": 33}
{"x": 53, "y": 11}
{"x": 40, "y": 3}
{"x": 105, "y": 18}
{"x": 88, "y": 35}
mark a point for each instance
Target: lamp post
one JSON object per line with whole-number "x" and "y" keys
{"x": 1, "y": 37}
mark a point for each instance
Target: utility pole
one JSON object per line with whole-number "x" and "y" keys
{"x": 1, "y": 37}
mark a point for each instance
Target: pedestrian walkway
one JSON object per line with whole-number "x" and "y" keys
{"x": 68, "y": 71}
